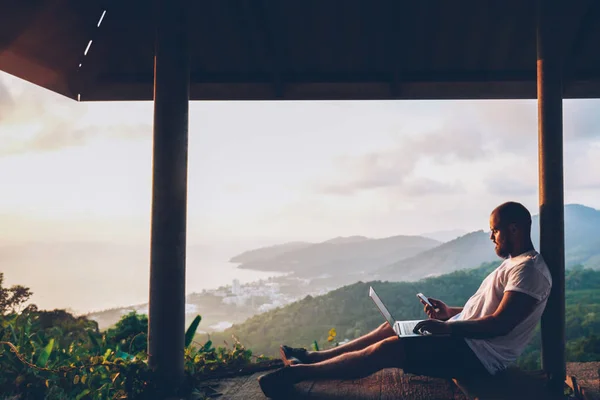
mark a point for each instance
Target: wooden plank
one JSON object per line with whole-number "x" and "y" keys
{"x": 225, "y": 387}
{"x": 366, "y": 388}
{"x": 511, "y": 384}
{"x": 391, "y": 384}
{"x": 397, "y": 385}
{"x": 248, "y": 390}
{"x": 385, "y": 385}
{"x": 394, "y": 384}
{"x": 588, "y": 393}
{"x": 588, "y": 378}
{"x": 247, "y": 387}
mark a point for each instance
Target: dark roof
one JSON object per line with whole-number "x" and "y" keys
{"x": 302, "y": 49}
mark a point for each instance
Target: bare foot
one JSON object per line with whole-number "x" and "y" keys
{"x": 292, "y": 356}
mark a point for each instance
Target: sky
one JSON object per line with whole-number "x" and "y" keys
{"x": 280, "y": 170}
{"x": 263, "y": 173}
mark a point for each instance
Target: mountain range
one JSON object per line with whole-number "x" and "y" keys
{"x": 445, "y": 235}
{"x": 402, "y": 258}
{"x": 265, "y": 253}
{"x": 338, "y": 256}
{"x": 466, "y": 251}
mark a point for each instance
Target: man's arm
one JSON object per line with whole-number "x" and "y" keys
{"x": 513, "y": 309}
{"x": 443, "y": 312}
{"x": 452, "y": 311}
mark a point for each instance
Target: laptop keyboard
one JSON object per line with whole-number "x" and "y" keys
{"x": 406, "y": 327}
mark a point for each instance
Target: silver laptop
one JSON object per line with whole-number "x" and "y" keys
{"x": 402, "y": 328}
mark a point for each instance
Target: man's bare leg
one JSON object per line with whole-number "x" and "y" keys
{"x": 380, "y": 333}
{"x": 387, "y": 353}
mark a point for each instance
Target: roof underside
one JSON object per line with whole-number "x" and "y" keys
{"x": 302, "y": 50}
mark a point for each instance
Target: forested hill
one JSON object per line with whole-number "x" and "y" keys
{"x": 352, "y": 313}
{"x": 350, "y": 310}
{"x": 468, "y": 250}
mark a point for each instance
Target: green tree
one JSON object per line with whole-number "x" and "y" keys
{"x": 584, "y": 349}
{"x": 12, "y": 298}
{"x": 130, "y": 333}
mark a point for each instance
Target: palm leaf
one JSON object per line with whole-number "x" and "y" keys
{"x": 45, "y": 354}
{"x": 82, "y": 394}
{"x": 191, "y": 331}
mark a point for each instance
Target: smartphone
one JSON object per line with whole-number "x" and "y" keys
{"x": 426, "y": 301}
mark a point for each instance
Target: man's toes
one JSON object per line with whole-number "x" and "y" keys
{"x": 287, "y": 358}
{"x": 300, "y": 355}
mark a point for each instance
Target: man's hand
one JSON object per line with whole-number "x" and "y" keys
{"x": 442, "y": 313}
{"x": 432, "y": 326}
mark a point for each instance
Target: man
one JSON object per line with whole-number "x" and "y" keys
{"x": 483, "y": 337}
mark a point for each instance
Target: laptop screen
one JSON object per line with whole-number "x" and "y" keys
{"x": 382, "y": 308}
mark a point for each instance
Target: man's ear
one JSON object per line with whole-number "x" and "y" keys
{"x": 512, "y": 228}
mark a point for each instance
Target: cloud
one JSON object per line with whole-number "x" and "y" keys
{"x": 34, "y": 120}
{"x": 520, "y": 178}
{"x": 426, "y": 187}
{"x": 58, "y": 135}
{"x": 508, "y": 186}
{"x": 6, "y": 100}
{"x": 456, "y": 140}
{"x": 582, "y": 168}
{"x": 235, "y": 187}
{"x": 582, "y": 119}
{"x": 470, "y": 132}
{"x": 371, "y": 171}
{"x": 513, "y": 125}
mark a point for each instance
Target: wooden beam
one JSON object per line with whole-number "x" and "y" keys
{"x": 270, "y": 17}
{"x": 407, "y": 77}
{"x": 582, "y": 37}
{"x": 223, "y": 91}
{"x": 83, "y": 76}
{"x": 166, "y": 328}
{"x": 551, "y": 187}
{"x": 264, "y": 20}
{"x": 396, "y": 12}
{"x": 22, "y": 15}
{"x": 509, "y": 384}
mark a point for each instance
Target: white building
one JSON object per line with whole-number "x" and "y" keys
{"x": 235, "y": 287}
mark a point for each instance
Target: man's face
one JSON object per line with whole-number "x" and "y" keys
{"x": 500, "y": 237}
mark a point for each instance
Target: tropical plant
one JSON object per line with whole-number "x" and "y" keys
{"x": 130, "y": 333}
{"x": 54, "y": 355}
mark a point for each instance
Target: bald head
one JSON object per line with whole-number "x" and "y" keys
{"x": 513, "y": 213}
{"x": 510, "y": 225}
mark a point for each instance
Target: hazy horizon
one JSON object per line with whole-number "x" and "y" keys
{"x": 262, "y": 173}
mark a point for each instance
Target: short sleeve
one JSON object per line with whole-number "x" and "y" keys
{"x": 527, "y": 279}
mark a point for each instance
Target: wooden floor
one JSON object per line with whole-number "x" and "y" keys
{"x": 588, "y": 378}
{"x": 387, "y": 384}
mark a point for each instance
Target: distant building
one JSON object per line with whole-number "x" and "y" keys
{"x": 235, "y": 287}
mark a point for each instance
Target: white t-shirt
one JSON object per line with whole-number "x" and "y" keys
{"x": 526, "y": 273}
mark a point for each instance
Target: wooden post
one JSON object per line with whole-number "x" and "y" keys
{"x": 550, "y": 133}
{"x": 169, "y": 194}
